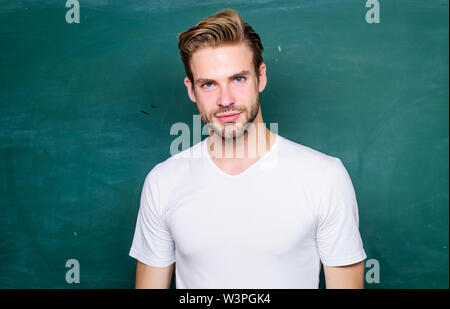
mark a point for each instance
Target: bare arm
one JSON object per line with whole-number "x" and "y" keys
{"x": 149, "y": 277}
{"x": 345, "y": 277}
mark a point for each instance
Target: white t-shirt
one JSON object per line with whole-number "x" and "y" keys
{"x": 268, "y": 227}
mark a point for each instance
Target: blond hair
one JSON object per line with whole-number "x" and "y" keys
{"x": 225, "y": 26}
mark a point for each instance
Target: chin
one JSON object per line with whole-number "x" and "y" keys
{"x": 235, "y": 134}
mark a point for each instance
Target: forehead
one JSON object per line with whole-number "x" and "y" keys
{"x": 221, "y": 61}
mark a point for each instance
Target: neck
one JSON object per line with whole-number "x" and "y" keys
{"x": 252, "y": 145}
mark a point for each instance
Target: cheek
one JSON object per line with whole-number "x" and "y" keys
{"x": 206, "y": 103}
{"x": 246, "y": 94}
{"x": 208, "y": 97}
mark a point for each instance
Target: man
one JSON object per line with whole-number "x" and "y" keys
{"x": 232, "y": 219}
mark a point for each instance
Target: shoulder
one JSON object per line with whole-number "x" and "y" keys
{"x": 307, "y": 157}
{"x": 311, "y": 167}
{"x": 178, "y": 166}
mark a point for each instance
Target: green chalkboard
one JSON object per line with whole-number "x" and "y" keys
{"x": 86, "y": 110}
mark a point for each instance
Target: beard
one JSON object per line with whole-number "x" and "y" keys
{"x": 231, "y": 131}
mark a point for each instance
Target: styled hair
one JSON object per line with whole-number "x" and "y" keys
{"x": 224, "y": 27}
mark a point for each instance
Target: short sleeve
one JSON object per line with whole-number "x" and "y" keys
{"x": 152, "y": 242}
{"x": 338, "y": 238}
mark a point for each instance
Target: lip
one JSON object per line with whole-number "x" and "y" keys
{"x": 228, "y": 117}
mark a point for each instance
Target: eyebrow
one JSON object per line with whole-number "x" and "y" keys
{"x": 208, "y": 80}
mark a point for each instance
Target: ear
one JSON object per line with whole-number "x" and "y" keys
{"x": 262, "y": 77}
{"x": 190, "y": 89}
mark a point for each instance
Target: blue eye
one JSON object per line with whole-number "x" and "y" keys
{"x": 239, "y": 79}
{"x": 207, "y": 84}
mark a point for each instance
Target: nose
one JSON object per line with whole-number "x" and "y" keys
{"x": 226, "y": 97}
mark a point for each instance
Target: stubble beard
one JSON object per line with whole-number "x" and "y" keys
{"x": 232, "y": 131}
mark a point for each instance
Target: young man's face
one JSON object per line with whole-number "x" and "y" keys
{"x": 226, "y": 84}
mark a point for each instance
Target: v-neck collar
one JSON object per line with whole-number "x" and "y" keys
{"x": 248, "y": 169}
